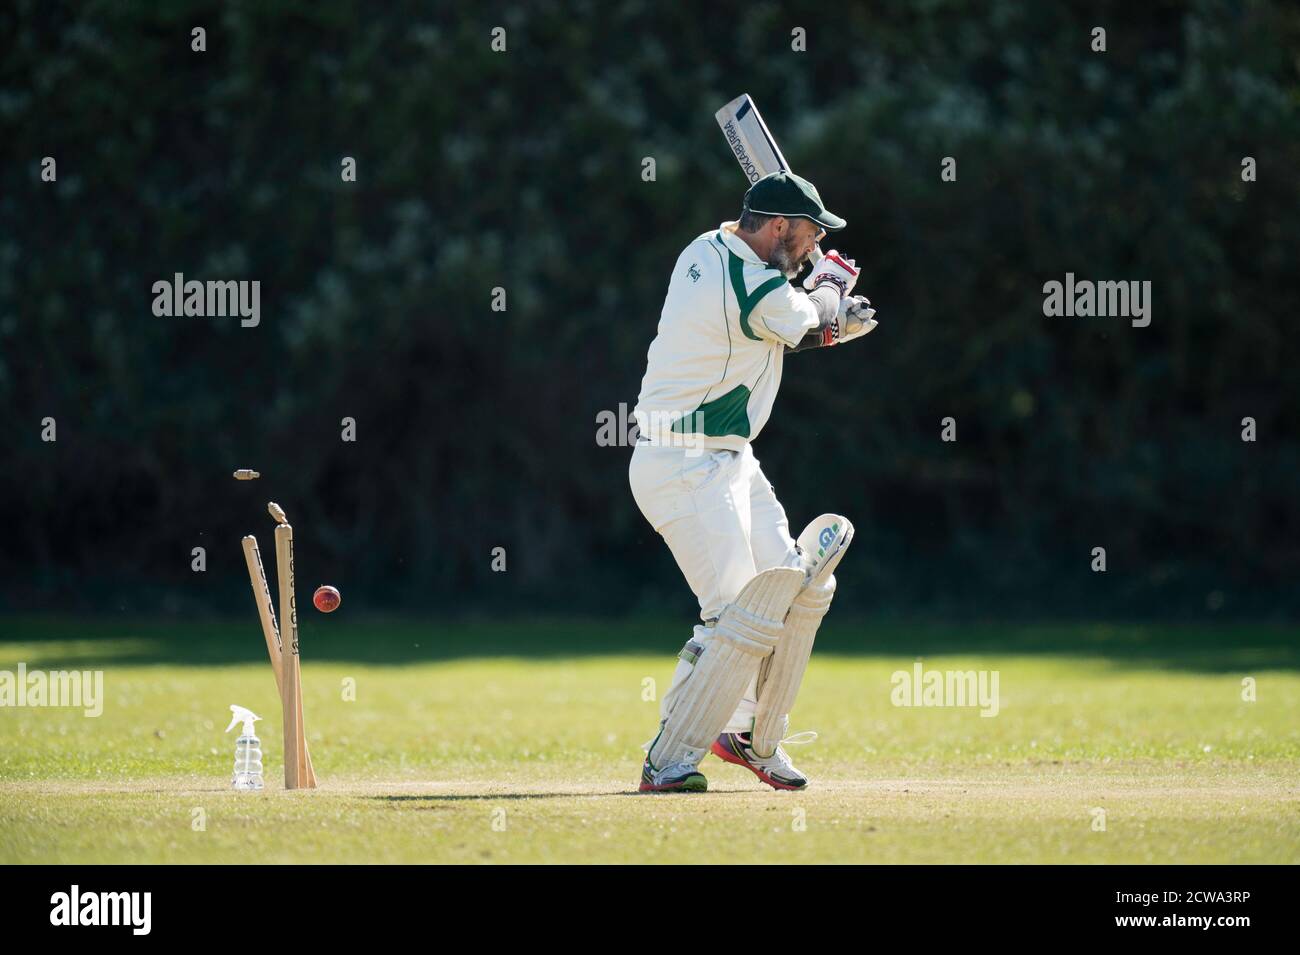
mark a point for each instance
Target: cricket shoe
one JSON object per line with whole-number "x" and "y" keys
{"x": 679, "y": 777}
{"x": 775, "y": 770}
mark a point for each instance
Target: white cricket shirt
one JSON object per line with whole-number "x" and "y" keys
{"x": 714, "y": 367}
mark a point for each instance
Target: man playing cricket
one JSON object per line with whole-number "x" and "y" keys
{"x": 711, "y": 378}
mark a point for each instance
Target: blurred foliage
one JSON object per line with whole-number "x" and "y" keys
{"x": 522, "y": 170}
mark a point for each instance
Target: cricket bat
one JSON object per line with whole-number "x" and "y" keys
{"x": 752, "y": 144}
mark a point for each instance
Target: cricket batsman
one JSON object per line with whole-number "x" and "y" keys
{"x": 712, "y": 374}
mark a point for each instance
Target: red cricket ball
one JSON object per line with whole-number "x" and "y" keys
{"x": 327, "y": 598}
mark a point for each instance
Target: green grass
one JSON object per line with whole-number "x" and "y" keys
{"x": 519, "y": 742}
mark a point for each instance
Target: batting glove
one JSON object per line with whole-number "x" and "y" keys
{"x": 835, "y": 269}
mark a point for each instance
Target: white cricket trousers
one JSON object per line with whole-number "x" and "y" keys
{"x": 723, "y": 523}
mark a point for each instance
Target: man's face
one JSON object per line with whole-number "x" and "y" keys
{"x": 795, "y": 244}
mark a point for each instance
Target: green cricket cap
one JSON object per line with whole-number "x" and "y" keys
{"x": 785, "y": 194}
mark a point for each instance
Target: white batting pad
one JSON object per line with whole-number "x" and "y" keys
{"x": 823, "y": 543}
{"x": 746, "y": 633}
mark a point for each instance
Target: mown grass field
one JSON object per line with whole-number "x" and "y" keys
{"x": 519, "y": 741}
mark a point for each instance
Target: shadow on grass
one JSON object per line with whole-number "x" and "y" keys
{"x": 58, "y": 642}
{"x": 496, "y": 797}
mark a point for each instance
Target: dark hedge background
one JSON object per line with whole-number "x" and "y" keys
{"x": 477, "y": 429}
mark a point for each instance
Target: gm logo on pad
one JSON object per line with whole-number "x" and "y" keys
{"x": 825, "y": 538}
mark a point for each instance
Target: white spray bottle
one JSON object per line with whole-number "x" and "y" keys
{"x": 248, "y": 750}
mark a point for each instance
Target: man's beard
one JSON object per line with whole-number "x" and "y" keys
{"x": 783, "y": 259}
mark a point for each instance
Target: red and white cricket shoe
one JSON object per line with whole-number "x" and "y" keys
{"x": 775, "y": 770}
